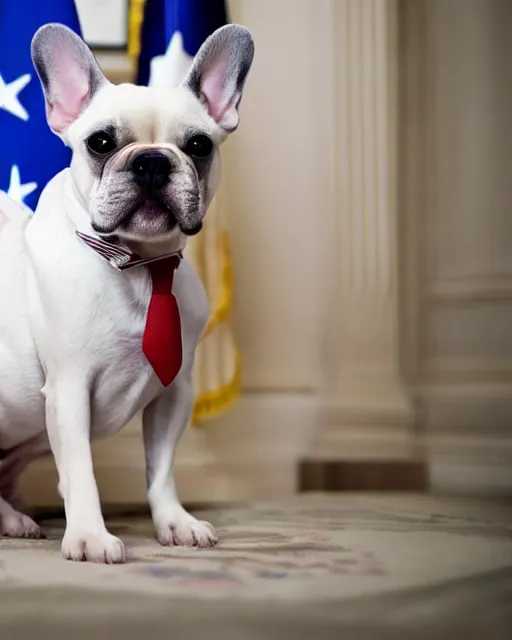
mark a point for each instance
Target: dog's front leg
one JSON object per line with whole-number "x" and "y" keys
{"x": 68, "y": 422}
{"x": 163, "y": 423}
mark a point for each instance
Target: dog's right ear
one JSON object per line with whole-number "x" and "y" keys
{"x": 219, "y": 71}
{"x": 68, "y": 71}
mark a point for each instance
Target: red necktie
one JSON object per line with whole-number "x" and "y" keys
{"x": 161, "y": 342}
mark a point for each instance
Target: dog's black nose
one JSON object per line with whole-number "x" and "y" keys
{"x": 151, "y": 170}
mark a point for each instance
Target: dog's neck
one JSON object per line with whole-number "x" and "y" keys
{"x": 122, "y": 259}
{"x": 175, "y": 244}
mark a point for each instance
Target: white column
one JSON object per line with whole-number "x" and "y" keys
{"x": 367, "y": 409}
{"x": 458, "y": 195}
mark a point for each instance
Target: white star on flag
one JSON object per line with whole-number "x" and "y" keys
{"x": 18, "y": 191}
{"x": 9, "y": 96}
{"x": 169, "y": 70}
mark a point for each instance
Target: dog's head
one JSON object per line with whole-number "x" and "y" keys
{"x": 145, "y": 160}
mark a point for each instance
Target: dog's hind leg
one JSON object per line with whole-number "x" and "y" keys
{"x": 14, "y": 523}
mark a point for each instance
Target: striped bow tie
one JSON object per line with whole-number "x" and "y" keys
{"x": 118, "y": 257}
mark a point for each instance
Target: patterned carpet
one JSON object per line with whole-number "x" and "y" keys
{"x": 313, "y": 566}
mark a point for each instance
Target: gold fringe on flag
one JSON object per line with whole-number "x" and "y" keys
{"x": 217, "y": 369}
{"x": 136, "y": 15}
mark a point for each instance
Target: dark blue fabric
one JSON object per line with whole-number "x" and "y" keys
{"x": 195, "y": 19}
{"x": 30, "y": 144}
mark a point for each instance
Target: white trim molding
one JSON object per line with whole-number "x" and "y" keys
{"x": 252, "y": 452}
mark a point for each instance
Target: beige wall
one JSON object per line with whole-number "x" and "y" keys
{"x": 277, "y": 170}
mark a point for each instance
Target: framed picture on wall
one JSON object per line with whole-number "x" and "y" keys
{"x": 104, "y": 23}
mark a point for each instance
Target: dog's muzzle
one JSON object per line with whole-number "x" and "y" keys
{"x": 151, "y": 170}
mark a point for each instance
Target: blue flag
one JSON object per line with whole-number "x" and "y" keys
{"x": 30, "y": 153}
{"x": 191, "y": 20}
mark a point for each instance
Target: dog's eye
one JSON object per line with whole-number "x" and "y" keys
{"x": 101, "y": 143}
{"x": 199, "y": 146}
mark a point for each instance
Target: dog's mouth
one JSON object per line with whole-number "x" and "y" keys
{"x": 151, "y": 216}
{"x": 157, "y": 206}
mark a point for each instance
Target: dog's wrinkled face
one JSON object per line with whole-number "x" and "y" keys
{"x": 145, "y": 160}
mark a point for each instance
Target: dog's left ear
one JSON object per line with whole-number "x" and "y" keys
{"x": 219, "y": 71}
{"x": 69, "y": 74}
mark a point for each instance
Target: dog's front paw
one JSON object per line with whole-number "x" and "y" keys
{"x": 18, "y": 525}
{"x": 93, "y": 547}
{"x": 182, "y": 529}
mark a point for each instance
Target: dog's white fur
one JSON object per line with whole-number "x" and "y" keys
{"x": 71, "y": 364}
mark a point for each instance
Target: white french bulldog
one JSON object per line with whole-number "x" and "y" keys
{"x": 73, "y": 317}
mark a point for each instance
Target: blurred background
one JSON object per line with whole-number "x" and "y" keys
{"x": 357, "y": 255}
